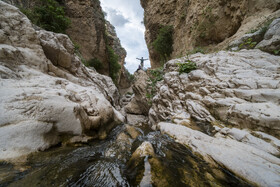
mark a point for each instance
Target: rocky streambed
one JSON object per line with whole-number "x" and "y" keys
{"x": 131, "y": 156}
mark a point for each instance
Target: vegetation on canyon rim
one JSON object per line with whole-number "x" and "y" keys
{"x": 49, "y": 15}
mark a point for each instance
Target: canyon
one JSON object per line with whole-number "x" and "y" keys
{"x": 217, "y": 124}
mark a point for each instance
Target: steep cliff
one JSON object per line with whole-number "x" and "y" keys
{"x": 87, "y": 29}
{"x": 114, "y": 42}
{"x": 203, "y": 23}
{"x": 90, "y": 32}
{"x": 46, "y": 92}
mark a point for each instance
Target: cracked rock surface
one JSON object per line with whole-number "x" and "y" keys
{"x": 241, "y": 89}
{"x": 45, "y": 90}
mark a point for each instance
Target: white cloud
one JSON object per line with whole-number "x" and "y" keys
{"x": 126, "y": 16}
{"x": 116, "y": 18}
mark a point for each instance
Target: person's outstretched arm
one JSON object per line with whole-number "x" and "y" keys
{"x": 138, "y": 58}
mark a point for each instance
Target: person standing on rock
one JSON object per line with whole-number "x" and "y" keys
{"x": 142, "y": 62}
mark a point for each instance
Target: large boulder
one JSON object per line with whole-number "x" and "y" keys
{"x": 46, "y": 92}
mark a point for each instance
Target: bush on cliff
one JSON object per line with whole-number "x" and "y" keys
{"x": 163, "y": 43}
{"x": 96, "y": 63}
{"x": 114, "y": 66}
{"x": 187, "y": 67}
{"x": 155, "y": 75}
{"x": 49, "y": 15}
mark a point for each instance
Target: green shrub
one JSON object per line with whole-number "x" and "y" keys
{"x": 155, "y": 75}
{"x": 248, "y": 44}
{"x": 114, "y": 66}
{"x": 49, "y": 15}
{"x": 276, "y": 52}
{"x": 163, "y": 43}
{"x": 96, "y": 63}
{"x": 187, "y": 66}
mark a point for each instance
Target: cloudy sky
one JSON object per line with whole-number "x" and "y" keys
{"x": 126, "y": 16}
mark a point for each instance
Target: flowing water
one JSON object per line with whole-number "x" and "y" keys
{"x": 108, "y": 163}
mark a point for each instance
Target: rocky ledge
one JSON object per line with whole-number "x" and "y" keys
{"x": 240, "y": 89}
{"x": 46, "y": 93}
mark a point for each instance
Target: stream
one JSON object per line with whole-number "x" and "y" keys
{"x": 109, "y": 163}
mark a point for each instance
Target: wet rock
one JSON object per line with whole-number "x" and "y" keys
{"x": 145, "y": 149}
{"x": 246, "y": 160}
{"x": 76, "y": 140}
{"x": 132, "y": 131}
{"x": 123, "y": 137}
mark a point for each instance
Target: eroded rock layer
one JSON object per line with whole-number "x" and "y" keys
{"x": 237, "y": 88}
{"x": 46, "y": 92}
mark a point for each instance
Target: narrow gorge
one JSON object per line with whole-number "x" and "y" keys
{"x": 207, "y": 112}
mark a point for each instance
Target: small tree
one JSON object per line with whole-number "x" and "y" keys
{"x": 164, "y": 41}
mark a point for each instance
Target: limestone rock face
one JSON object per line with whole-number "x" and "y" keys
{"x": 87, "y": 29}
{"x": 90, "y": 31}
{"x": 271, "y": 41}
{"x": 114, "y": 42}
{"x": 203, "y": 23}
{"x": 237, "y": 88}
{"x": 46, "y": 91}
{"x": 249, "y": 159}
{"x": 267, "y": 39}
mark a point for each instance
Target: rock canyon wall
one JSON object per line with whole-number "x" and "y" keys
{"x": 91, "y": 34}
{"x": 203, "y": 24}
{"x": 47, "y": 94}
